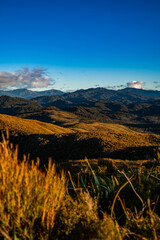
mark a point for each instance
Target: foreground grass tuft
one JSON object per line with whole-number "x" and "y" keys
{"x": 29, "y": 199}
{"x": 36, "y": 204}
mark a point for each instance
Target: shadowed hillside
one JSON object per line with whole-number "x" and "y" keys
{"x": 94, "y": 94}
{"x": 83, "y": 106}
{"x": 92, "y": 128}
{"x": 143, "y": 116}
{"x": 77, "y": 140}
{"x": 16, "y": 106}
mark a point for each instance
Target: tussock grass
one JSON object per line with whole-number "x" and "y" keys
{"x": 28, "y": 126}
{"x": 36, "y": 205}
{"x": 29, "y": 199}
{"x": 62, "y": 117}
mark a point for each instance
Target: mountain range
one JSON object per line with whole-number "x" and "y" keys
{"x": 95, "y": 122}
{"x": 28, "y": 94}
{"x": 123, "y": 95}
{"x": 126, "y": 96}
{"x": 136, "y": 108}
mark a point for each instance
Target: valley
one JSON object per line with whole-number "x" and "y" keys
{"x": 80, "y": 120}
{"x": 99, "y": 141}
{"x": 86, "y": 123}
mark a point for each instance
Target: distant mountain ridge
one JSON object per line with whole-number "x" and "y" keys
{"x": 79, "y": 97}
{"x": 149, "y": 93}
{"x": 29, "y": 94}
{"x": 126, "y": 95}
{"x": 133, "y": 110}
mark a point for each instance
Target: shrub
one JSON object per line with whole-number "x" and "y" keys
{"x": 79, "y": 219}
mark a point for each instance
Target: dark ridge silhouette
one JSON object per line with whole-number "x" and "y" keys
{"x": 15, "y": 106}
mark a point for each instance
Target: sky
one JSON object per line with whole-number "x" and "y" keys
{"x": 75, "y": 44}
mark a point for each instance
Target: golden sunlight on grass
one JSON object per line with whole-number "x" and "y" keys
{"x": 27, "y": 195}
{"x": 30, "y": 126}
{"x": 36, "y": 204}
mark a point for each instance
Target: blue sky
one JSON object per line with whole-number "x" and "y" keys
{"x": 83, "y": 43}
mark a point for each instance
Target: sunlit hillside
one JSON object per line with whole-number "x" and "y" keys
{"x": 62, "y": 118}
{"x": 114, "y": 136}
{"x": 75, "y": 138}
{"x": 30, "y": 126}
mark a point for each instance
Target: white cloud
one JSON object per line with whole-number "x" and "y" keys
{"x": 25, "y": 78}
{"x": 135, "y": 84}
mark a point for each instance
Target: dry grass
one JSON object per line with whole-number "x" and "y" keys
{"x": 30, "y": 126}
{"x": 35, "y": 204}
{"x": 28, "y": 197}
{"x": 101, "y": 127}
{"x": 63, "y": 117}
{"x": 113, "y": 137}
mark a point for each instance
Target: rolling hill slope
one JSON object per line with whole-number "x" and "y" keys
{"x": 27, "y": 126}
{"x": 15, "y": 106}
{"x": 144, "y": 115}
{"x": 78, "y": 140}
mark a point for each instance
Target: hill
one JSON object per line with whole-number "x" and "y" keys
{"x": 148, "y": 93}
{"x": 80, "y": 139}
{"x": 16, "y": 106}
{"x": 82, "y": 97}
{"x": 141, "y": 115}
{"x": 144, "y": 115}
{"x": 26, "y": 126}
{"x": 126, "y": 95}
{"x": 28, "y": 94}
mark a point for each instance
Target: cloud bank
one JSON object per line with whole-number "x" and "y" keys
{"x": 135, "y": 84}
{"x": 25, "y": 78}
